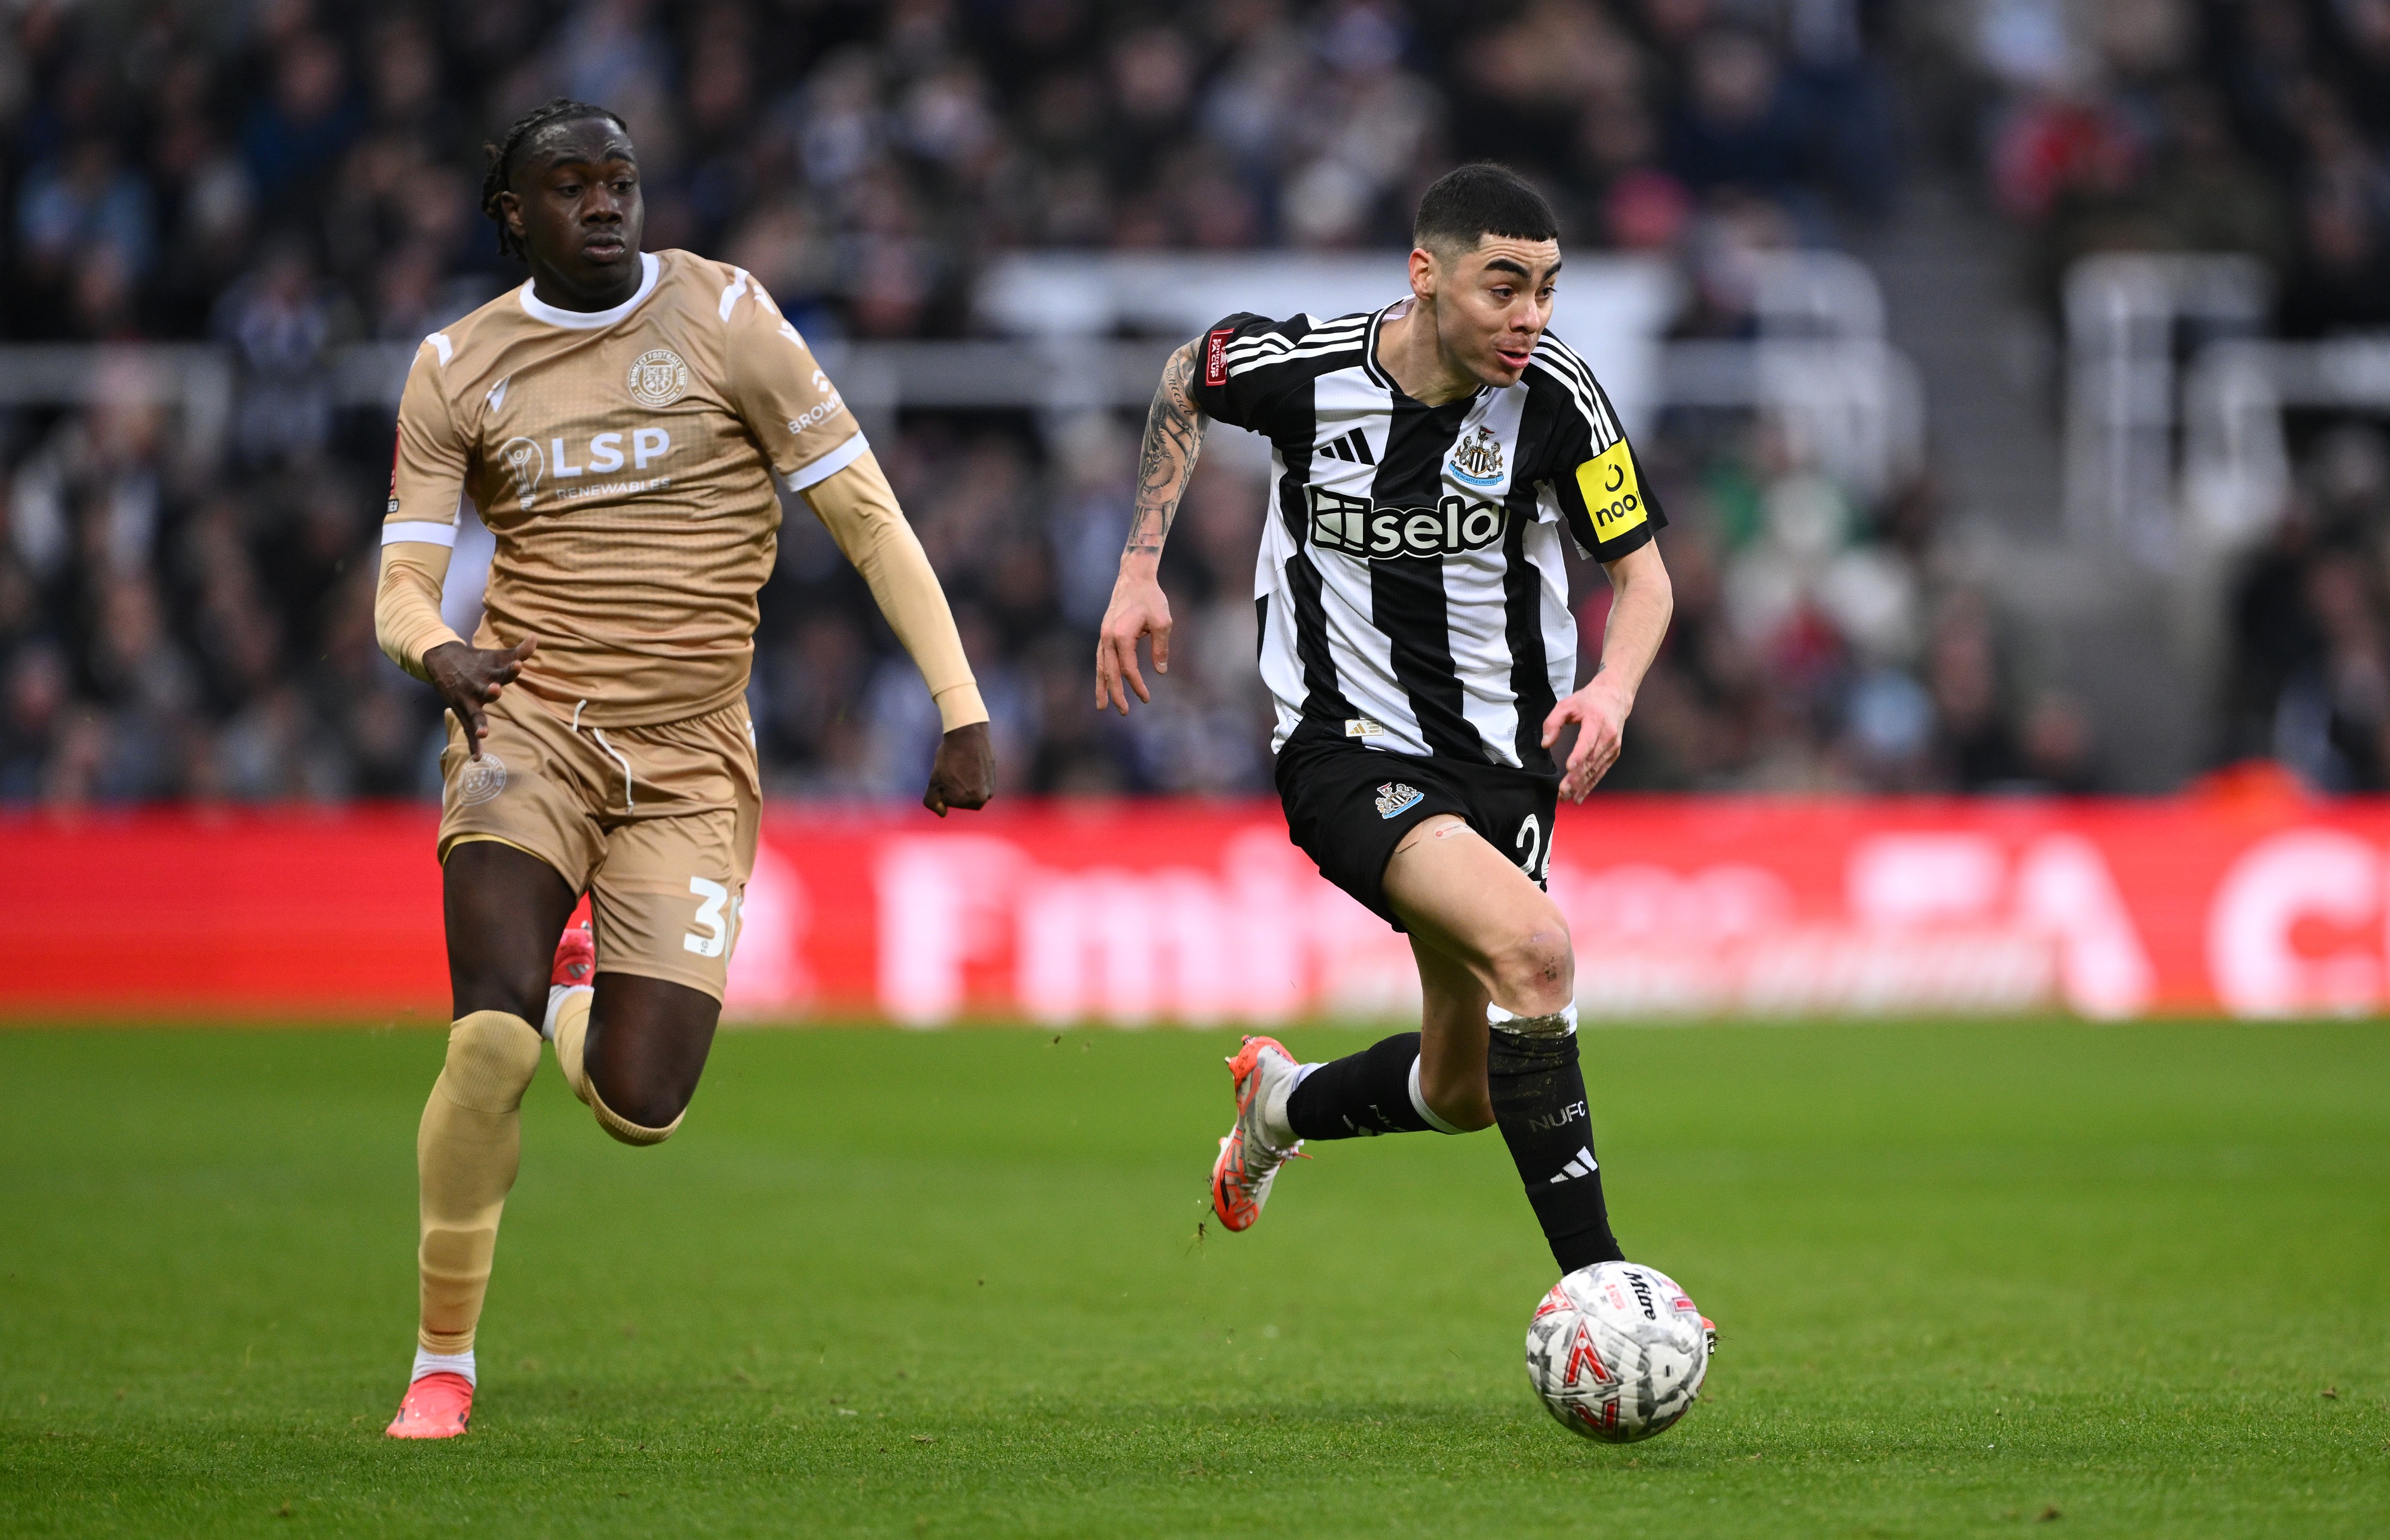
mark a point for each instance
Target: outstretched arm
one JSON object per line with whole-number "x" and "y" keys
{"x": 1638, "y": 619}
{"x": 805, "y": 432}
{"x": 1174, "y": 436}
{"x": 858, "y": 508}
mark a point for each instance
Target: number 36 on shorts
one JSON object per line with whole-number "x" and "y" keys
{"x": 718, "y": 919}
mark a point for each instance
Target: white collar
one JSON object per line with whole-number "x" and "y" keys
{"x": 590, "y": 320}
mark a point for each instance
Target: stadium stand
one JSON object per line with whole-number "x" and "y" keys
{"x": 184, "y": 605}
{"x": 2134, "y": 147}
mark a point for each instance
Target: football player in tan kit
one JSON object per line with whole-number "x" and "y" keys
{"x": 619, "y": 421}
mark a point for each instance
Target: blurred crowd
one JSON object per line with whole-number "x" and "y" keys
{"x": 187, "y": 614}
{"x": 2259, "y": 126}
{"x": 2309, "y": 681}
{"x": 2252, "y": 126}
{"x": 1823, "y": 644}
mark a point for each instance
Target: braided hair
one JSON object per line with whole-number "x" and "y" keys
{"x": 498, "y": 173}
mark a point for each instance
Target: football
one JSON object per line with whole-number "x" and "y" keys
{"x": 1617, "y": 1351}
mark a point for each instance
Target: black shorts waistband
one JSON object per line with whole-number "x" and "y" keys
{"x": 1313, "y": 736}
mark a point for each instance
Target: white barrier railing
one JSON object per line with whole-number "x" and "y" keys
{"x": 2123, "y": 315}
{"x": 1854, "y": 403}
{"x": 195, "y": 378}
{"x": 2236, "y": 474}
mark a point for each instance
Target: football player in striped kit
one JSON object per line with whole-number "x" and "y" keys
{"x": 1428, "y": 460}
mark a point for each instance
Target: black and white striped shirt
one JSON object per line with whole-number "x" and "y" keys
{"x": 1412, "y": 589}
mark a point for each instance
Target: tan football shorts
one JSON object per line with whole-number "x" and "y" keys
{"x": 656, "y": 824}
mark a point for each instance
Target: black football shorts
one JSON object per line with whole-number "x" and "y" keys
{"x": 1348, "y": 806}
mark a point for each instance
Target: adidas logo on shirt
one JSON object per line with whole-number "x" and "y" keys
{"x": 1353, "y": 446}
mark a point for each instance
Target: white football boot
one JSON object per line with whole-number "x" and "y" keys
{"x": 1250, "y": 1157}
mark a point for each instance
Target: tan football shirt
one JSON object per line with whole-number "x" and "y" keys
{"x": 623, "y": 459}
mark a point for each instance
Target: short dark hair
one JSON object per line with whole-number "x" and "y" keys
{"x": 1481, "y": 199}
{"x": 498, "y": 169}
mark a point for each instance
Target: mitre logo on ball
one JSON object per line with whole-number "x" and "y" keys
{"x": 1609, "y": 1364}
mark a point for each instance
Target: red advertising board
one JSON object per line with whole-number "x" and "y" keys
{"x": 1133, "y": 912}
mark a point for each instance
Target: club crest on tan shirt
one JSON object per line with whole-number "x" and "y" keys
{"x": 659, "y": 379}
{"x": 626, "y": 470}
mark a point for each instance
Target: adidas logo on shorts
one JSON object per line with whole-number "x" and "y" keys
{"x": 1394, "y": 796}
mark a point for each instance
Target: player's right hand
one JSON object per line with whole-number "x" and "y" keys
{"x": 469, "y": 678}
{"x": 1139, "y": 609}
{"x": 964, "y": 773}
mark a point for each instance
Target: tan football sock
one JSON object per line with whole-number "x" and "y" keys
{"x": 572, "y": 1035}
{"x": 466, "y": 1154}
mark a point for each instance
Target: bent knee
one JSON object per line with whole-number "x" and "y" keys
{"x": 492, "y": 1056}
{"x": 1464, "y": 1112}
{"x": 637, "y": 1135}
{"x": 1454, "y": 1102}
{"x": 642, "y": 1123}
{"x": 641, "y": 1115}
{"x": 1534, "y": 971}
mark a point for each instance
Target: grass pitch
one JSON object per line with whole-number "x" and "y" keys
{"x": 1972, "y": 1279}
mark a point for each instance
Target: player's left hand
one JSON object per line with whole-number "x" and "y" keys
{"x": 964, "y": 773}
{"x": 1599, "y": 712}
{"x": 1139, "y": 609}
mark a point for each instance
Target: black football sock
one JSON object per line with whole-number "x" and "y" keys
{"x": 1360, "y": 1094}
{"x": 1538, "y": 1094}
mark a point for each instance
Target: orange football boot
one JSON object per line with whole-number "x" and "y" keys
{"x": 438, "y": 1405}
{"x": 1248, "y": 1162}
{"x": 576, "y": 957}
{"x": 576, "y": 962}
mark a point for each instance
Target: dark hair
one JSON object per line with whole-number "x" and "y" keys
{"x": 498, "y": 171}
{"x": 1481, "y": 199}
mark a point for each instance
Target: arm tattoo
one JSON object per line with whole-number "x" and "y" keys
{"x": 1174, "y": 435}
